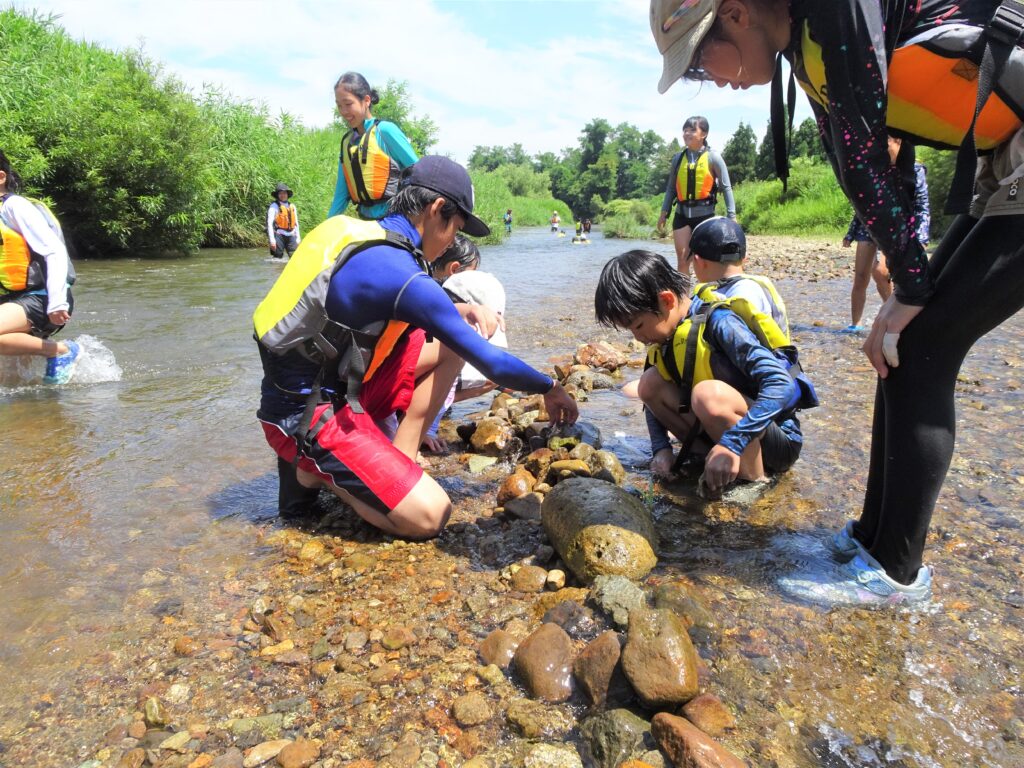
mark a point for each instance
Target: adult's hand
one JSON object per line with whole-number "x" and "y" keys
{"x": 661, "y": 463}
{"x": 721, "y": 467}
{"x": 561, "y": 408}
{"x": 661, "y": 220}
{"x": 484, "y": 319}
{"x": 881, "y": 346}
{"x": 60, "y": 317}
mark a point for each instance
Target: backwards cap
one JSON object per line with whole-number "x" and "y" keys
{"x": 719, "y": 239}
{"x": 678, "y": 27}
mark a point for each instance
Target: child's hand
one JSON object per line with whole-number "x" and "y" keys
{"x": 60, "y": 317}
{"x": 434, "y": 445}
{"x": 846, "y": 242}
{"x": 484, "y": 319}
{"x": 721, "y": 468}
{"x": 661, "y": 464}
{"x": 561, "y": 408}
{"x": 662, "y": 219}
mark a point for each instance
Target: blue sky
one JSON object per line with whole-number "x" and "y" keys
{"x": 487, "y": 71}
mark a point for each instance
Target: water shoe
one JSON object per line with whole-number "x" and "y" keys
{"x": 861, "y": 583}
{"x": 843, "y": 545}
{"x": 60, "y": 368}
{"x": 853, "y": 329}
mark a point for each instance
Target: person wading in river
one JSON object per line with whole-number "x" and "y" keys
{"x": 282, "y": 223}
{"x": 35, "y": 281}
{"x": 344, "y": 345}
{"x": 913, "y": 70}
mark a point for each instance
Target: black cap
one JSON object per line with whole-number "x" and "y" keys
{"x": 451, "y": 181}
{"x": 281, "y": 187}
{"x": 719, "y": 239}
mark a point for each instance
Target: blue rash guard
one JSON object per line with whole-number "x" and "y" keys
{"x": 365, "y": 291}
{"x": 398, "y": 148}
{"x": 744, "y": 363}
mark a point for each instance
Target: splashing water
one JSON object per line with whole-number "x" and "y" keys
{"x": 95, "y": 365}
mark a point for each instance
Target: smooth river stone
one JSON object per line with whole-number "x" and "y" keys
{"x": 687, "y": 745}
{"x": 659, "y": 660}
{"x": 544, "y": 663}
{"x": 598, "y": 528}
{"x": 498, "y": 648}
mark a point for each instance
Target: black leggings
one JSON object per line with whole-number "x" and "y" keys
{"x": 978, "y": 270}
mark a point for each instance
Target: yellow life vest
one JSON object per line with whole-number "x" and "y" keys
{"x": 285, "y": 218}
{"x": 293, "y": 315}
{"x": 779, "y": 313}
{"x": 686, "y": 358}
{"x": 370, "y": 173}
{"x": 932, "y": 89}
{"x": 21, "y": 268}
{"x": 695, "y": 183}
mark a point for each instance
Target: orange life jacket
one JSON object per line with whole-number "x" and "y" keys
{"x": 21, "y": 268}
{"x": 285, "y": 218}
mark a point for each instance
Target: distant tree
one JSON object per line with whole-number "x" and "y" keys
{"x": 806, "y": 142}
{"x": 592, "y": 140}
{"x": 484, "y": 158}
{"x": 764, "y": 163}
{"x": 396, "y": 105}
{"x": 740, "y": 153}
{"x": 545, "y": 161}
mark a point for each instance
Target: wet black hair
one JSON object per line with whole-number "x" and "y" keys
{"x": 629, "y": 286}
{"x": 13, "y": 179}
{"x": 700, "y": 123}
{"x": 411, "y": 201}
{"x": 462, "y": 251}
{"x": 358, "y": 86}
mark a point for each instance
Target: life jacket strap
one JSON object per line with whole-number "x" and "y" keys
{"x": 782, "y": 121}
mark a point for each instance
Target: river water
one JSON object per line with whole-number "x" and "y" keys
{"x": 149, "y": 468}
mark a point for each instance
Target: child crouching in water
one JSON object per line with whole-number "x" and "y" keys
{"x": 715, "y": 366}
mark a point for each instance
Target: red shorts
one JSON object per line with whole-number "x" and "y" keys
{"x": 350, "y": 452}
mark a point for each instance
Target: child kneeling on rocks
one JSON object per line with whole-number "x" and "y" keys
{"x": 714, "y": 365}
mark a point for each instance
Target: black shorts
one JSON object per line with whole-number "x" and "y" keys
{"x": 35, "y": 305}
{"x": 680, "y": 220}
{"x": 778, "y": 452}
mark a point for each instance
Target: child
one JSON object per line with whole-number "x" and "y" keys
{"x": 507, "y": 218}
{"x": 719, "y": 248}
{"x": 35, "y": 281}
{"x": 555, "y": 221}
{"x": 740, "y": 391}
{"x": 282, "y": 224}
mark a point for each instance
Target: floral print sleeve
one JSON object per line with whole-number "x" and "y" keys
{"x": 843, "y": 42}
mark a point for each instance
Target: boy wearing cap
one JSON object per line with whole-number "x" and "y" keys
{"x": 282, "y": 223}
{"x": 736, "y": 388}
{"x": 719, "y": 248}
{"x": 338, "y": 444}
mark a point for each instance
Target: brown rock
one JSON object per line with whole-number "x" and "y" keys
{"x": 689, "y": 747}
{"x": 530, "y": 578}
{"x": 398, "y": 637}
{"x": 538, "y": 461}
{"x": 116, "y": 734}
{"x": 515, "y": 485}
{"x": 137, "y": 729}
{"x": 659, "y": 660}
{"x": 544, "y": 662}
{"x": 299, "y": 754}
{"x": 595, "y": 664}
{"x": 559, "y": 470}
{"x": 472, "y": 709}
{"x": 605, "y": 465}
{"x": 600, "y": 354}
{"x": 203, "y": 761}
{"x": 709, "y": 714}
{"x": 185, "y": 646}
{"x": 264, "y": 753}
{"x": 635, "y": 764}
{"x": 498, "y": 648}
{"x": 133, "y": 759}
{"x": 155, "y": 713}
{"x": 230, "y": 759}
{"x": 526, "y": 507}
{"x": 492, "y": 436}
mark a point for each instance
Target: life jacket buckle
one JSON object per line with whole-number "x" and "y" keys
{"x": 1007, "y": 23}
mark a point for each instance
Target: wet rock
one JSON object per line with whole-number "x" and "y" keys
{"x": 555, "y": 579}
{"x": 566, "y": 468}
{"x": 596, "y": 664}
{"x": 398, "y": 637}
{"x": 154, "y": 714}
{"x": 570, "y": 435}
{"x": 264, "y": 753}
{"x": 529, "y": 579}
{"x": 233, "y": 758}
{"x": 132, "y": 759}
{"x": 598, "y": 528}
{"x": 299, "y": 754}
{"x": 536, "y": 720}
{"x": 356, "y": 640}
{"x": 605, "y": 465}
{"x": 582, "y": 452}
{"x": 176, "y": 742}
{"x": 170, "y": 606}
{"x": 203, "y": 761}
{"x": 687, "y": 745}
{"x": 515, "y": 485}
{"x": 137, "y": 729}
{"x": 538, "y": 461}
{"x": 674, "y": 596}
{"x": 492, "y": 437}
{"x": 311, "y": 550}
{"x": 709, "y": 714}
{"x": 526, "y": 507}
{"x": 185, "y": 646}
{"x": 552, "y": 756}
{"x": 472, "y": 709}
{"x": 600, "y": 354}
{"x": 576, "y": 620}
{"x": 498, "y": 648}
{"x": 589, "y": 380}
{"x": 267, "y": 726}
{"x": 343, "y": 688}
{"x": 659, "y": 660}
{"x": 617, "y": 596}
{"x": 544, "y": 663}
{"x": 612, "y": 737}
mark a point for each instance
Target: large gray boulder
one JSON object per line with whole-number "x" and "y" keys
{"x": 599, "y": 529}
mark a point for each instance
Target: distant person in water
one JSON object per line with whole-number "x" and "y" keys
{"x": 556, "y": 220}
{"x": 373, "y": 153}
{"x": 282, "y": 223}
{"x": 507, "y": 218}
{"x": 35, "y": 281}
{"x": 586, "y": 226}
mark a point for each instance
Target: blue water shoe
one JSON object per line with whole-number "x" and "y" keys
{"x": 861, "y": 583}
{"x": 853, "y": 329}
{"x": 60, "y": 368}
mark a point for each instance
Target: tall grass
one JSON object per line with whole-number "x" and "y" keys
{"x": 494, "y": 197}
{"x": 812, "y": 205}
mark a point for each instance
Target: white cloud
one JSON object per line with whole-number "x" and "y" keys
{"x": 479, "y": 90}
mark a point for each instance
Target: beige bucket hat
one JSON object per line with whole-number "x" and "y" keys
{"x": 678, "y": 27}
